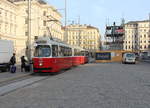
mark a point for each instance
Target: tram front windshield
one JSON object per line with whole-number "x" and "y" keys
{"x": 42, "y": 51}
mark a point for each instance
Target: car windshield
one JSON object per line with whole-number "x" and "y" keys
{"x": 130, "y": 55}
{"x": 42, "y": 51}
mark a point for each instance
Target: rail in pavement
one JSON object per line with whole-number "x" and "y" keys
{"x": 7, "y": 76}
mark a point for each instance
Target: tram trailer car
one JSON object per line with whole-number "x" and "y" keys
{"x": 52, "y": 56}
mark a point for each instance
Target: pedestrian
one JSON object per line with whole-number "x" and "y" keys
{"x": 12, "y": 63}
{"x": 23, "y": 63}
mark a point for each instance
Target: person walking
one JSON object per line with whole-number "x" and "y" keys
{"x": 23, "y": 63}
{"x": 12, "y": 63}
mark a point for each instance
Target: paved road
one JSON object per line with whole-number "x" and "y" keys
{"x": 111, "y": 85}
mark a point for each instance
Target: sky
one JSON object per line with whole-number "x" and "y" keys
{"x": 98, "y": 13}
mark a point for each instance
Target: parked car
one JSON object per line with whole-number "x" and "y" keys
{"x": 129, "y": 58}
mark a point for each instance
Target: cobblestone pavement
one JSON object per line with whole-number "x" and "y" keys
{"x": 110, "y": 85}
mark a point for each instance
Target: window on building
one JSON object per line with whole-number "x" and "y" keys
{"x": 26, "y": 33}
{"x": 44, "y": 33}
{"x": 6, "y": 14}
{"x": 11, "y": 28}
{"x": 44, "y": 23}
{"x": 26, "y": 11}
{"x": 0, "y": 27}
{"x": 129, "y": 47}
{"x": 26, "y": 21}
{"x": 6, "y": 28}
{"x": 0, "y": 12}
{"x": 44, "y": 13}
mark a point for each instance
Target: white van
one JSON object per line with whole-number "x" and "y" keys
{"x": 129, "y": 58}
{"x": 6, "y": 52}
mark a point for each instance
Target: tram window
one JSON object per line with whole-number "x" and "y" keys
{"x": 77, "y": 52}
{"x": 42, "y": 51}
{"x": 70, "y": 52}
{"x": 65, "y": 51}
{"x": 61, "y": 51}
{"x": 54, "y": 50}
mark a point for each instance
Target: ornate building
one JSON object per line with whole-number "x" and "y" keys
{"x": 137, "y": 36}
{"x": 85, "y": 36}
{"x": 45, "y": 20}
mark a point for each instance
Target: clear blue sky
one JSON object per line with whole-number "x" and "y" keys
{"x": 95, "y": 12}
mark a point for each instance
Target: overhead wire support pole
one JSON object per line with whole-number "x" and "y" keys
{"x": 66, "y": 34}
{"x": 149, "y": 31}
{"x": 29, "y": 31}
{"x": 65, "y": 13}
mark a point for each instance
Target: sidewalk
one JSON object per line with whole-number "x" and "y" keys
{"x": 148, "y": 61}
{"x": 5, "y": 76}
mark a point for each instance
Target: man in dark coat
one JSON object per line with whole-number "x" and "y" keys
{"x": 23, "y": 63}
{"x": 12, "y": 63}
{"x": 13, "y": 59}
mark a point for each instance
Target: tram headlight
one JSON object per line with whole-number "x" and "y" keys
{"x": 40, "y": 64}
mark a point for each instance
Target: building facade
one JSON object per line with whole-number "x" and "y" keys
{"x": 137, "y": 36}
{"x": 87, "y": 37}
{"x": 8, "y": 21}
{"x": 45, "y": 21}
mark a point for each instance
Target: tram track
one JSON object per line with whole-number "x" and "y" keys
{"x": 14, "y": 84}
{"x": 14, "y": 79}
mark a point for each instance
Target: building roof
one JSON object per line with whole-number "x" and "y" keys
{"x": 134, "y": 22}
{"x": 40, "y": 1}
{"x": 81, "y": 26}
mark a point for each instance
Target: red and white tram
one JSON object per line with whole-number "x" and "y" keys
{"x": 52, "y": 56}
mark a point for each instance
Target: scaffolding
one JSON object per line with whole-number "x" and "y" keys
{"x": 114, "y": 37}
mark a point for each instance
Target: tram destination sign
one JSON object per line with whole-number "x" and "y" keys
{"x": 103, "y": 56}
